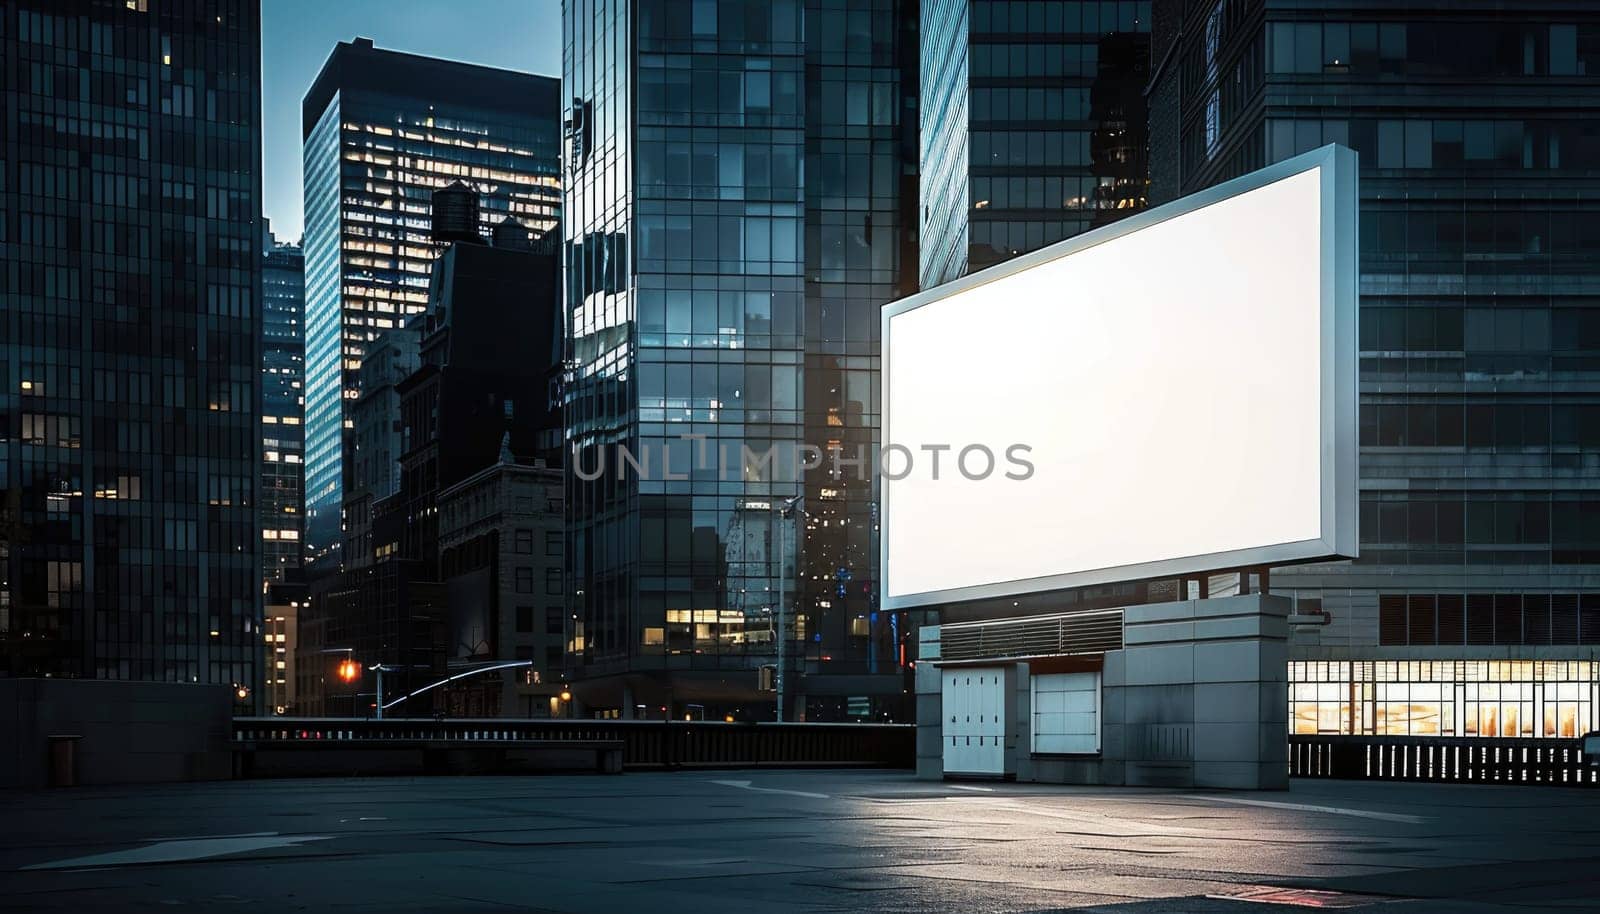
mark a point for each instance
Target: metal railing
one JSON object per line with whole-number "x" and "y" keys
{"x": 1033, "y": 636}
{"x": 646, "y": 743}
{"x": 1459, "y": 759}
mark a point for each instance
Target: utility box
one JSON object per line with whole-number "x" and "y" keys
{"x": 979, "y": 726}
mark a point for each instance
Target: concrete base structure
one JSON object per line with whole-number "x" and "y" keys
{"x": 1195, "y": 698}
{"x": 127, "y": 732}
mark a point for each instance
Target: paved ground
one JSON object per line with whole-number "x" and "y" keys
{"x": 766, "y": 842}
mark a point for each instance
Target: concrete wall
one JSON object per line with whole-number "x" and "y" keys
{"x": 1199, "y": 693}
{"x": 132, "y": 732}
{"x": 1196, "y": 698}
{"x": 930, "y": 705}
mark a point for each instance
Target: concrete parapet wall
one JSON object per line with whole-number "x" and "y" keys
{"x": 131, "y": 732}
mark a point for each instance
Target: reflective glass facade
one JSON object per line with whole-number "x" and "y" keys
{"x": 382, "y": 131}
{"x": 1033, "y": 121}
{"x": 944, "y": 137}
{"x": 1480, "y": 301}
{"x": 282, "y": 411}
{"x": 739, "y": 192}
{"x": 130, "y": 339}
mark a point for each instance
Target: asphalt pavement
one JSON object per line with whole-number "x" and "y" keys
{"x": 773, "y": 842}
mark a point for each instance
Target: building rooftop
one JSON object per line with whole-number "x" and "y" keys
{"x": 360, "y": 66}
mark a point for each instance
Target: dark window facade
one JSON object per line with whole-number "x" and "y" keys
{"x": 1034, "y": 123}
{"x": 282, "y": 412}
{"x": 1479, "y": 338}
{"x": 1453, "y": 619}
{"x": 131, "y": 339}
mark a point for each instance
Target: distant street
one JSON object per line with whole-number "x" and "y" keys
{"x": 761, "y": 842}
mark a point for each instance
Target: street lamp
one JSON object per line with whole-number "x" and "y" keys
{"x": 350, "y": 671}
{"x": 492, "y": 666}
{"x": 380, "y": 669}
{"x": 347, "y": 670}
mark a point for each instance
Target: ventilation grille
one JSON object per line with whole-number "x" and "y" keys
{"x": 1035, "y": 636}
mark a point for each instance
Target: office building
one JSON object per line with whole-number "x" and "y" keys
{"x": 1033, "y": 126}
{"x": 488, "y": 361}
{"x": 382, "y": 131}
{"x": 465, "y": 511}
{"x": 280, "y": 627}
{"x": 131, "y": 339}
{"x": 381, "y": 607}
{"x": 1474, "y": 608}
{"x": 372, "y": 459}
{"x": 389, "y": 612}
{"x": 740, "y": 200}
{"x": 365, "y": 608}
{"x": 282, "y": 411}
{"x": 501, "y": 558}
{"x": 443, "y": 398}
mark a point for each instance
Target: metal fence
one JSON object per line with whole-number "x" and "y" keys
{"x": 646, "y": 743}
{"x": 1463, "y": 759}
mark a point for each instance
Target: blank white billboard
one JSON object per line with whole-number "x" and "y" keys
{"x": 1178, "y": 391}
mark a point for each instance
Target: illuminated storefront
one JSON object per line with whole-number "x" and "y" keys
{"x": 1523, "y": 698}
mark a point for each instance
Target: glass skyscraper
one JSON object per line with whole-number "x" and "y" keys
{"x": 1033, "y": 125}
{"x": 741, "y": 193}
{"x": 382, "y": 131}
{"x": 130, "y": 339}
{"x": 1033, "y": 130}
{"x": 282, "y": 411}
{"x": 1474, "y": 608}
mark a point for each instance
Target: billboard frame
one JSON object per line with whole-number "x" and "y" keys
{"x": 1340, "y": 276}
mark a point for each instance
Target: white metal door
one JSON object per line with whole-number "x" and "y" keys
{"x": 974, "y": 720}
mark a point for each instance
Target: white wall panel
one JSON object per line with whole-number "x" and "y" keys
{"x": 1066, "y": 713}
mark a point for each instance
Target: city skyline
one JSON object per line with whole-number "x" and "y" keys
{"x": 385, "y": 134}
{"x": 298, "y": 35}
{"x": 998, "y": 408}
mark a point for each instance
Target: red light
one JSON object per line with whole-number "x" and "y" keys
{"x": 348, "y": 670}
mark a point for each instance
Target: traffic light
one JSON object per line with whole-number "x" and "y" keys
{"x": 349, "y": 670}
